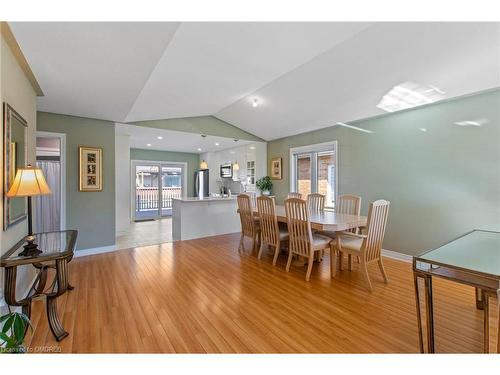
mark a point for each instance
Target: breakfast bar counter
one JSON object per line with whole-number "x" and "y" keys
{"x": 203, "y": 217}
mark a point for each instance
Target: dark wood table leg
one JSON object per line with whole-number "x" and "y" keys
{"x": 10, "y": 293}
{"x": 479, "y": 298}
{"x": 54, "y": 322}
{"x": 62, "y": 285}
{"x": 419, "y": 315}
{"x": 498, "y": 321}
{"x": 429, "y": 313}
{"x": 486, "y": 327}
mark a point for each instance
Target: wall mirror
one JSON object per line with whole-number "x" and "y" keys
{"x": 15, "y": 154}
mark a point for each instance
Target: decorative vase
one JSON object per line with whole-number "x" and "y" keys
{"x": 266, "y": 192}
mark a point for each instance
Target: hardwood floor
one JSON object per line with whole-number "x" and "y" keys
{"x": 201, "y": 296}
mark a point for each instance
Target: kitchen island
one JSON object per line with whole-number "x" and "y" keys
{"x": 195, "y": 217}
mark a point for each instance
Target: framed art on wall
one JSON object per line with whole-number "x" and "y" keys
{"x": 90, "y": 176}
{"x": 276, "y": 168}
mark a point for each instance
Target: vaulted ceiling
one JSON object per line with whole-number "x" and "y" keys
{"x": 303, "y": 76}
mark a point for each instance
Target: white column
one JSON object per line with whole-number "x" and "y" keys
{"x": 122, "y": 183}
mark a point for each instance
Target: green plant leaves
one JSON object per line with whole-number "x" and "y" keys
{"x": 8, "y": 324}
{"x": 264, "y": 183}
{"x": 14, "y": 329}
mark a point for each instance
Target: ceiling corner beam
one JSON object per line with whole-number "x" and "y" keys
{"x": 11, "y": 41}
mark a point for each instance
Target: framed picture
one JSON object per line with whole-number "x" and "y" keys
{"x": 90, "y": 176}
{"x": 276, "y": 169}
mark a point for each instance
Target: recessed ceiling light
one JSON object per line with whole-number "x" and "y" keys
{"x": 217, "y": 143}
{"x": 149, "y": 145}
{"x": 159, "y": 137}
{"x": 199, "y": 149}
{"x": 408, "y": 95}
{"x": 422, "y": 129}
{"x": 255, "y": 103}
{"x": 252, "y": 147}
{"x": 353, "y": 127}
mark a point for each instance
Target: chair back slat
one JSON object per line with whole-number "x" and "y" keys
{"x": 376, "y": 223}
{"x": 316, "y": 202}
{"x": 295, "y": 195}
{"x": 253, "y": 197}
{"x": 270, "y": 231}
{"x": 246, "y": 215}
{"x": 299, "y": 226}
{"x": 349, "y": 204}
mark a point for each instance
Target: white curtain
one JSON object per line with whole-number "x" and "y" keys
{"x": 48, "y": 207}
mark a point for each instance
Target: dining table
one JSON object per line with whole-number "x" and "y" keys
{"x": 325, "y": 220}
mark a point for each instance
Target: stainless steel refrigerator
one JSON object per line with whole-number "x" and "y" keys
{"x": 201, "y": 183}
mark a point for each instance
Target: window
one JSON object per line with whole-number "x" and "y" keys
{"x": 251, "y": 172}
{"x": 172, "y": 180}
{"x": 313, "y": 170}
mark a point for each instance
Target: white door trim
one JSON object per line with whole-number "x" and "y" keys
{"x": 62, "y": 159}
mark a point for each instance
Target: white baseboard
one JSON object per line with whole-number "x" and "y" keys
{"x": 94, "y": 251}
{"x": 398, "y": 256}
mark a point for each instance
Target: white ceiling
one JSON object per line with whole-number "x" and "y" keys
{"x": 347, "y": 82}
{"x": 305, "y": 75}
{"x": 176, "y": 141}
{"x": 209, "y": 66}
{"x": 92, "y": 69}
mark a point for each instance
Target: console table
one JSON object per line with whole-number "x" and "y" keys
{"x": 57, "y": 250}
{"x": 473, "y": 259}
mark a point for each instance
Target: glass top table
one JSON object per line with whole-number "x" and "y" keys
{"x": 51, "y": 280}
{"x": 52, "y": 244}
{"x": 472, "y": 259}
{"x": 477, "y": 251}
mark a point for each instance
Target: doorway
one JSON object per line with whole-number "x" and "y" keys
{"x": 155, "y": 185}
{"x": 50, "y": 210}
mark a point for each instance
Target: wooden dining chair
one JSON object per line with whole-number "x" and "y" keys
{"x": 249, "y": 225}
{"x": 349, "y": 204}
{"x": 316, "y": 202}
{"x": 294, "y": 195}
{"x": 271, "y": 233}
{"x": 253, "y": 197}
{"x": 369, "y": 246}
{"x": 346, "y": 204}
{"x": 302, "y": 241}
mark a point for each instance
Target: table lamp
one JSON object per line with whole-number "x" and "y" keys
{"x": 29, "y": 182}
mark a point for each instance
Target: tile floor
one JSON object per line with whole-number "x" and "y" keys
{"x": 146, "y": 233}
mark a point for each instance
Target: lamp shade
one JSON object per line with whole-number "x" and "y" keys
{"x": 236, "y": 166}
{"x": 29, "y": 181}
{"x": 203, "y": 165}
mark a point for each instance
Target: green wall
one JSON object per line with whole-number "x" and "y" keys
{"x": 192, "y": 160}
{"x": 200, "y": 125}
{"x": 441, "y": 183}
{"x": 91, "y": 213}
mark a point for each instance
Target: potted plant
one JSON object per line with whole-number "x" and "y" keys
{"x": 264, "y": 185}
{"x": 13, "y": 332}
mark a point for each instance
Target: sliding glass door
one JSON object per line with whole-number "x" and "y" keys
{"x": 171, "y": 182}
{"x": 156, "y": 184}
{"x": 313, "y": 170}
